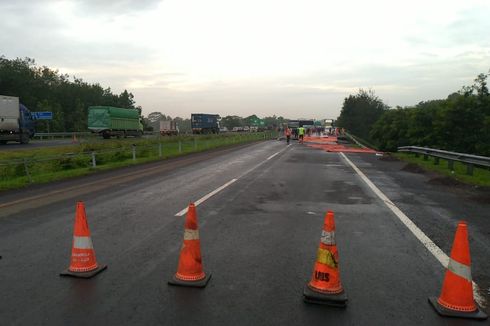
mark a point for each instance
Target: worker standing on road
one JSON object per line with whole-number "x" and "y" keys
{"x": 301, "y": 134}
{"x": 287, "y": 133}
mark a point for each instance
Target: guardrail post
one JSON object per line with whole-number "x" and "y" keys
{"x": 26, "y": 168}
{"x": 450, "y": 164}
{"x": 134, "y": 152}
{"x": 94, "y": 162}
{"x": 180, "y": 146}
{"x": 160, "y": 149}
{"x": 469, "y": 169}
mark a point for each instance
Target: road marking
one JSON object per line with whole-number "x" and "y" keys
{"x": 419, "y": 234}
{"x": 203, "y": 199}
{"x": 272, "y": 155}
{"x": 214, "y": 192}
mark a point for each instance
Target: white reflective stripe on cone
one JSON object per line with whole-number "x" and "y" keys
{"x": 82, "y": 243}
{"x": 459, "y": 269}
{"x": 328, "y": 238}
{"x": 191, "y": 234}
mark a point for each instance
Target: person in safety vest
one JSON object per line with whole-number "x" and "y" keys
{"x": 287, "y": 133}
{"x": 301, "y": 134}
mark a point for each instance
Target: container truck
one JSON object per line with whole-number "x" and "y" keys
{"x": 169, "y": 128}
{"x": 16, "y": 121}
{"x": 202, "y": 123}
{"x": 109, "y": 121}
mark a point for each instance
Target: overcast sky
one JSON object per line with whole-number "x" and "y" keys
{"x": 295, "y": 58}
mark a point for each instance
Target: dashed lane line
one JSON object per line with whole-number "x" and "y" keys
{"x": 214, "y": 192}
{"x": 203, "y": 199}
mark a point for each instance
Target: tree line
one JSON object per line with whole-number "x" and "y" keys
{"x": 459, "y": 123}
{"x": 44, "y": 89}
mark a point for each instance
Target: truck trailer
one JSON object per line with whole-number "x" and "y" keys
{"x": 16, "y": 121}
{"x": 109, "y": 121}
{"x": 169, "y": 128}
{"x": 202, "y": 123}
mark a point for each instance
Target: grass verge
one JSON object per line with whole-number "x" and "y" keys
{"x": 42, "y": 165}
{"x": 480, "y": 177}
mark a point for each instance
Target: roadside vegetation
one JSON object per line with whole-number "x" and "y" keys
{"x": 459, "y": 123}
{"x": 22, "y": 168}
{"x": 68, "y": 97}
{"x": 480, "y": 177}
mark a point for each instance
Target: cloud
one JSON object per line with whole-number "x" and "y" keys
{"x": 110, "y": 7}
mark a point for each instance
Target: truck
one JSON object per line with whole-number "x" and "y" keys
{"x": 109, "y": 121}
{"x": 168, "y": 128}
{"x": 16, "y": 121}
{"x": 202, "y": 123}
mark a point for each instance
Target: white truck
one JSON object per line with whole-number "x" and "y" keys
{"x": 16, "y": 121}
{"x": 168, "y": 128}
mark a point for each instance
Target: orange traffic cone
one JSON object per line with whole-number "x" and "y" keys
{"x": 83, "y": 263}
{"x": 190, "y": 271}
{"x": 456, "y": 299}
{"x": 325, "y": 286}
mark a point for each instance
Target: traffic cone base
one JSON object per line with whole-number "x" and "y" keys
{"x": 196, "y": 284}
{"x": 477, "y": 314}
{"x": 88, "y": 274}
{"x": 335, "y": 300}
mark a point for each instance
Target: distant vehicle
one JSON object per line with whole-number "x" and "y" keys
{"x": 202, "y": 123}
{"x": 16, "y": 121}
{"x": 224, "y": 129}
{"x": 169, "y": 128}
{"x": 246, "y": 128}
{"x": 109, "y": 121}
{"x": 237, "y": 129}
{"x": 306, "y": 123}
{"x": 254, "y": 128}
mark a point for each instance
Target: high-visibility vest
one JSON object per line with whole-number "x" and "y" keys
{"x": 301, "y": 131}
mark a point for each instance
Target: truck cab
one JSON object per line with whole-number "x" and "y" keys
{"x": 16, "y": 121}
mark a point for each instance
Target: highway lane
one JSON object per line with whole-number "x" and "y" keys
{"x": 259, "y": 238}
{"x": 14, "y": 146}
{"x": 436, "y": 204}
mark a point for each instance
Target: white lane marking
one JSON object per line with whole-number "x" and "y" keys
{"x": 419, "y": 234}
{"x": 273, "y": 155}
{"x": 212, "y": 193}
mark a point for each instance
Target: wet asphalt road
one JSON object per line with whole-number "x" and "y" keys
{"x": 259, "y": 238}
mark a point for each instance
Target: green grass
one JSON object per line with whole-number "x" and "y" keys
{"x": 56, "y": 163}
{"x": 480, "y": 177}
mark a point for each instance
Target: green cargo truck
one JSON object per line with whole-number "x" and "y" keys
{"x": 110, "y": 121}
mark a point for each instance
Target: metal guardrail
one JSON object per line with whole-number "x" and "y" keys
{"x": 451, "y": 157}
{"x": 51, "y": 135}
